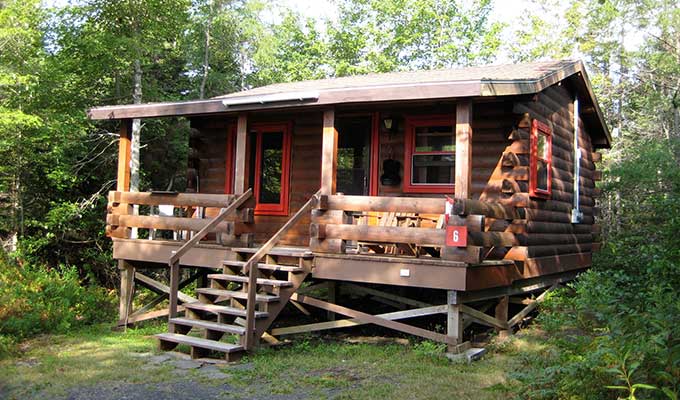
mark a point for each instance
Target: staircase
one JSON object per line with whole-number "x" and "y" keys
{"x": 221, "y": 310}
{"x": 243, "y": 300}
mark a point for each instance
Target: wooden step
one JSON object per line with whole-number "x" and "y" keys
{"x": 244, "y": 279}
{"x": 209, "y": 325}
{"x": 217, "y": 309}
{"x": 199, "y": 342}
{"x": 264, "y": 298}
{"x": 300, "y": 252}
{"x": 269, "y": 267}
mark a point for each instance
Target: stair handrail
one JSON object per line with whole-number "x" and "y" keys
{"x": 177, "y": 255}
{"x": 251, "y": 269}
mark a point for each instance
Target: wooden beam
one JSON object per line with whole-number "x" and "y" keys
{"x": 240, "y": 161}
{"x": 483, "y": 318}
{"x": 463, "y": 165}
{"x": 529, "y": 308}
{"x": 329, "y": 153}
{"x": 159, "y": 287}
{"x": 147, "y": 316}
{"x": 423, "y": 205}
{"x": 124, "y": 154}
{"x": 372, "y": 319}
{"x": 344, "y": 323}
{"x": 385, "y": 295}
{"x": 175, "y": 199}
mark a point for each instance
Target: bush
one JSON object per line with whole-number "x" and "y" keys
{"x": 36, "y": 300}
{"x": 616, "y": 332}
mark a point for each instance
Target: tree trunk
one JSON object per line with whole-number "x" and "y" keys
{"x": 206, "y": 53}
{"x": 135, "y": 139}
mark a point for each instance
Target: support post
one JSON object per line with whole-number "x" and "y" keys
{"x": 329, "y": 153}
{"x": 124, "y": 154}
{"x": 127, "y": 279}
{"x": 463, "y": 166}
{"x": 454, "y": 322}
{"x": 332, "y": 298}
{"x": 501, "y": 314}
{"x": 174, "y": 288}
{"x": 240, "y": 161}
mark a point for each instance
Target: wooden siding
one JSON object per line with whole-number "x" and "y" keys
{"x": 305, "y": 168}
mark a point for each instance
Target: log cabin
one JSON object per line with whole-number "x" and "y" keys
{"x": 465, "y": 194}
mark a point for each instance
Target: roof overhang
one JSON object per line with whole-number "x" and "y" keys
{"x": 573, "y": 72}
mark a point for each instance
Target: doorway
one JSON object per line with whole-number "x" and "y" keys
{"x": 354, "y": 155}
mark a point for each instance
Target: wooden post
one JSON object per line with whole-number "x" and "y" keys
{"x": 332, "y": 298}
{"x": 124, "y": 154}
{"x": 329, "y": 153}
{"x": 240, "y": 161}
{"x": 502, "y": 315}
{"x": 454, "y": 322}
{"x": 463, "y": 168}
{"x": 127, "y": 279}
{"x": 174, "y": 288}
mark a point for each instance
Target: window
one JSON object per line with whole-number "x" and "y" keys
{"x": 430, "y": 155}
{"x": 269, "y": 168}
{"x": 540, "y": 173}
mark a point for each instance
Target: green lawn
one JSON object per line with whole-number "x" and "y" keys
{"x": 51, "y": 365}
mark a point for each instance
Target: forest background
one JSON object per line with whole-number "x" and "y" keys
{"x": 58, "y": 59}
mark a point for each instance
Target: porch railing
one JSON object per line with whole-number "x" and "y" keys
{"x": 408, "y": 226}
{"x": 191, "y": 213}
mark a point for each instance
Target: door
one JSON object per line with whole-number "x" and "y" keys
{"x": 354, "y": 152}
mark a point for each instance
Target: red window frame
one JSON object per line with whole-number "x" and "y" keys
{"x": 229, "y": 161}
{"x": 282, "y": 207}
{"x": 409, "y": 151}
{"x": 540, "y": 128}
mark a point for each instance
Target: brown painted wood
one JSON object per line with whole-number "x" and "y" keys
{"x": 329, "y": 153}
{"x": 178, "y": 199}
{"x": 240, "y": 159}
{"x": 209, "y": 227}
{"x": 463, "y": 165}
{"x": 428, "y": 205}
{"x": 372, "y": 319}
{"x": 124, "y": 154}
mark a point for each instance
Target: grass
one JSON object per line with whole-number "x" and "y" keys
{"x": 313, "y": 368}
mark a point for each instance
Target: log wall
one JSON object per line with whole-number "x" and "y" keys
{"x": 210, "y": 148}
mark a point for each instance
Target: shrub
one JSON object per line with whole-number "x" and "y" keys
{"x": 617, "y": 331}
{"x": 35, "y": 299}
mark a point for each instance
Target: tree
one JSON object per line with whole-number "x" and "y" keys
{"x": 386, "y": 35}
{"x": 20, "y": 57}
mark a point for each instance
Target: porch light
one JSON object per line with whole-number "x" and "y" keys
{"x": 388, "y": 123}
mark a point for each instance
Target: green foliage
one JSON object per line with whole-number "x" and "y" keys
{"x": 618, "y": 331}
{"x": 36, "y": 300}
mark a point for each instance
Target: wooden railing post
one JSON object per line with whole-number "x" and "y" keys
{"x": 174, "y": 261}
{"x": 174, "y": 288}
{"x": 463, "y": 166}
{"x": 253, "y": 271}
{"x": 240, "y": 162}
{"x": 329, "y": 153}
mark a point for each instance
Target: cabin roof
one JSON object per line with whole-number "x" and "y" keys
{"x": 470, "y": 82}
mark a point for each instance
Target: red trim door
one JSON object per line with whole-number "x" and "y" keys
{"x": 272, "y": 168}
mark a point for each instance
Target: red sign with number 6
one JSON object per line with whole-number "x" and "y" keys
{"x": 456, "y": 236}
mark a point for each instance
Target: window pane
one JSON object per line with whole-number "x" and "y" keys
{"x": 435, "y": 138}
{"x": 271, "y": 168}
{"x": 541, "y": 175}
{"x": 542, "y": 146}
{"x": 434, "y": 169}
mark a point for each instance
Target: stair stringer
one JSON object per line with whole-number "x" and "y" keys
{"x": 285, "y": 294}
